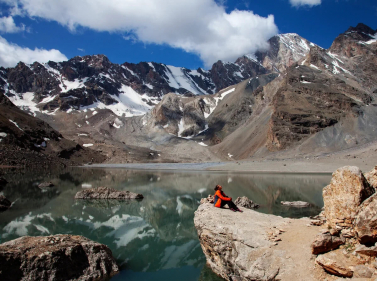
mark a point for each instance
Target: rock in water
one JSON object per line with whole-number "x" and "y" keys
{"x": 342, "y": 197}
{"x": 57, "y": 257}
{"x": 45, "y": 184}
{"x": 366, "y": 221}
{"x": 236, "y": 245}
{"x": 372, "y": 177}
{"x": 4, "y": 203}
{"x": 297, "y": 204}
{"x": 325, "y": 242}
{"x": 246, "y": 202}
{"x": 107, "y": 193}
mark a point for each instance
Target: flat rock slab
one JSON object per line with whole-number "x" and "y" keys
{"x": 107, "y": 193}
{"x": 45, "y": 184}
{"x": 57, "y": 257}
{"x": 237, "y": 245}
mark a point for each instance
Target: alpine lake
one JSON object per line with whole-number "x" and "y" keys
{"x": 153, "y": 238}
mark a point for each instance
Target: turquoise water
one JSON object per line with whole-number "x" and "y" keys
{"x": 154, "y": 238}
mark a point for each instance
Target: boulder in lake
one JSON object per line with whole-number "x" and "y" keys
{"x": 246, "y": 202}
{"x": 366, "y": 221}
{"x": 4, "y": 203}
{"x": 107, "y": 193}
{"x": 372, "y": 177}
{"x": 296, "y": 204}
{"x": 3, "y": 182}
{"x": 57, "y": 257}
{"x": 326, "y": 242}
{"x": 343, "y": 196}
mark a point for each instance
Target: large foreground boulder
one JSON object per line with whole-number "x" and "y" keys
{"x": 366, "y": 221}
{"x": 337, "y": 263}
{"x": 107, "y": 193}
{"x": 343, "y": 196}
{"x": 236, "y": 245}
{"x": 58, "y": 257}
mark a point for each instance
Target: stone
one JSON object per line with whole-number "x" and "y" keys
{"x": 106, "y": 193}
{"x": 246, "y": 202}
{"x": 372, "y": 177}
{"x": 368, "y": 251}
{"x": 297, "y": 204}
{"x": 345, "y": 193}
{"x": 325, "y": 242}
{"x": 45, "y": 184}
{"x": 237, "y": 244}
{"x": 336, "y": 263}
{"x": 57, "y": 257}
{"x": 4, "y": 203}
{"x": 209, "y": 199}
{"x": 362, "y": 271}
{"x": 347, "y": 233}
{"x": 366, "y": 221}
{"x": 3, "y": 182}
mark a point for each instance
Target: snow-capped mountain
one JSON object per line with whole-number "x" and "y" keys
{"x": 93, "y": 82}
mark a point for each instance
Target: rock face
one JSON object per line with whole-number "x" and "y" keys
{"x": 106, "y": 193}
{"x": 325, "y": 242}
{"x": 343, "y": 196}
{"x": 238, "y": 248}
{"x": 246, "y": 202}
{"x": 372, "y": 177}
{"x": 4, "y": 203}
{"x": 366, "y": 221}
{"x": 297, "y": 204}
{"x": 58, "y": 257}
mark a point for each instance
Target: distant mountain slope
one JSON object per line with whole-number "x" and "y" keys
{"x": 26, "y": 140}
{"x": 133, "y": 89}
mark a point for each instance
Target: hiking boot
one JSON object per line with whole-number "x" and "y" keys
{"x": 239, "y": 210}
{"x": 233, "y": 210}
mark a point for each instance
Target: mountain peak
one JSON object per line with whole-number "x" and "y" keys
{"x": 360, "y": 27}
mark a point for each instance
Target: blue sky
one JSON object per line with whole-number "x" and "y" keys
{"x": 188, "y": 33}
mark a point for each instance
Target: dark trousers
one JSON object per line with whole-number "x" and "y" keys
{"x": 229, "y": 203}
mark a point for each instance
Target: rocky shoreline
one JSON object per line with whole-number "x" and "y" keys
{"x": 255, "y": 246}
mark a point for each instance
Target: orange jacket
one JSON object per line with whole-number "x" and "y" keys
{"x": 219, "y": 195}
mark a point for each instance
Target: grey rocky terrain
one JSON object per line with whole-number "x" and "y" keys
{"x": 291, "y": 100}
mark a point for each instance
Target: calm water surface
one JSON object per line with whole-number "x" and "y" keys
{"x": 151, "y": 239}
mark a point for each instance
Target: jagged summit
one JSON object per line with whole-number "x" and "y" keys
{"x": 363, "y": 28}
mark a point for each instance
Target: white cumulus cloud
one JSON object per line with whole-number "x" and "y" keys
{"x": 202, "y": 27}
{"x": 11, "y": 54}
{"x": 7, "y": 25}
{"x": 310, "y": 3}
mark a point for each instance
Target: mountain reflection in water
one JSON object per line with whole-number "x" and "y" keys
{"x": 154, "y": 238}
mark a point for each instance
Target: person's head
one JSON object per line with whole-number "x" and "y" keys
{"x": 218, "y": 187}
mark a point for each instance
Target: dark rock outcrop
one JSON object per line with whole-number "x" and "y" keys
{"x": 4, "y": 203}
{"x": 107, "y": 193}
{"x": 57, "y": 257}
